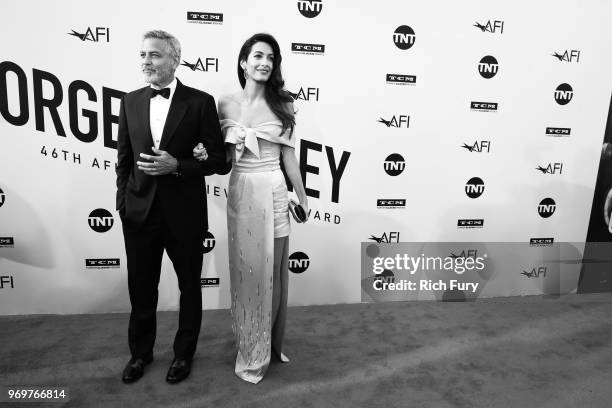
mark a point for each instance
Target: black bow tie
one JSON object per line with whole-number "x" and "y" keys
{"x": 165, "y": 93}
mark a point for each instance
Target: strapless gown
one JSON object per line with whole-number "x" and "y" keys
{"x": 257, "y": 212}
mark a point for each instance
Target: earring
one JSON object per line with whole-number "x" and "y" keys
{"x": 246, "y": 76}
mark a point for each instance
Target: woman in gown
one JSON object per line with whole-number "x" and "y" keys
{"x": 258, "y": 125}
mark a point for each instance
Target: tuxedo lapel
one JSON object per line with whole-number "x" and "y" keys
{"x": 143, "y": 109}
{"x": 178, "y": 106}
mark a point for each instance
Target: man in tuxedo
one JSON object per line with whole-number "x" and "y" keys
{"x": 161, "y": 198}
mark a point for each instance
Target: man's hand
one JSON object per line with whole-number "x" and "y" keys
{"x": 161, "y": 163}
{"x": 200, "y": 153}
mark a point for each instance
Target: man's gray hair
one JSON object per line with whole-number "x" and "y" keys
{"x": 173, "y": 43}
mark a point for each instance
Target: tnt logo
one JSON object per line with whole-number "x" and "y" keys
{"x": 536, "y": 272}
{"x": 310, "y": 8}
{"x": 564, "y": 94}
{"x": 100, "y": 220}
{"x": 386, "y": 237}
{"x": 100, "y": 33}
{"x": 558, "y": 132}
{"x": 208, "y": 243}
{"x": 306, "y": 94}
{"x": 479, "y": 146}
{"x": 496, "y": 26}
{"x": 551, "y": 168}
{"x": 204, "y": 67}
{"x": 404, "y": 37}
{"x": 474, "y": 187}
{"x": 7, "y": 281}
{"x": 394, "y": 164}
{"x": 386, "y": 276}
{"x": 298, "y": 262}
{"x": 567, "y": 56}
{"x": 488, "y": 67}
{"x": 547, "y": 207}
{"x": 2, "y": 197}
{"x": 396, "y": 121}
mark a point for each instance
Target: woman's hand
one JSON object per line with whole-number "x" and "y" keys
{"x": 304, "y": 205}
{"x": 200, "y": 153}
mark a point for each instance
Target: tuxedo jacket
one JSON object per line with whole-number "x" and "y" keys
{"x": 192, "y": 119}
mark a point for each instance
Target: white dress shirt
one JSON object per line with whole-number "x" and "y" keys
{"x": 159, "y": 112}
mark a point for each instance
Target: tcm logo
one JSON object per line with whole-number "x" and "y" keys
{"x": 209, "y": 282}
{"x": 7, "y": 242}
{"x": 306, "y": 94}
{"x": 386, "y": 237}
{"x": 2, "y": 197}
{"x": 404, "y": 37}
{"x": 208, "y": 243}
{"x": 484, "y": 106}
{"x": 96, "y": 35}
{"x": 474, "y": 187}
{"x": 558, "y": 132}
{"x": 397, "y": 121}
{"x": 465, "y": 254}
{"x": 567, "y": 56}
{"x": 400, "y": 79}
{"x": 394, "y": 164}
{"x": 204, "y": 18}
{"x": 310, "y": 8}
{"x": 541, "y": 241}
{"x": 488, "y": 67}
{"x": 551, "y": 168}
{"x": 312, "y": 49}
{"x": 495, "y": 26}
{"x": 390, "y": 203}
{"x": 100, "y": 220}
{"x": 102, "y": 263}
{"x": 201, "y": 66}
{"x": 564, "y": 94}
{"x": 547, "y": 207}
{"x": 536, "y": 272}
{"x": 470, "y": 223}
{"x": 479, "y": 146}
{"x": 298, "y": 262}
{"x": 7, "y": 281}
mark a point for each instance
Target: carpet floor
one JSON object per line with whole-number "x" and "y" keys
{"x": 504, "y": 352}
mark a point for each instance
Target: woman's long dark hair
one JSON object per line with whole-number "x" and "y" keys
{"x": 275, "y": 94}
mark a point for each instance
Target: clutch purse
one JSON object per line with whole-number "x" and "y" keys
{"x": 297, "y": 212}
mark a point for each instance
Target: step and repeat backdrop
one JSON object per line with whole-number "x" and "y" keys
{"x": 426, "y": 121}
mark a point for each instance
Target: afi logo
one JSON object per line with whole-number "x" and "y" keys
{"x": 479, "y": 146}
{"x": 396, "y": 121}
{"x": 93, "y": 35}
{"x": 394, "y": 164}
{"x": 404, "y": 37}
{"x": 552, "y": 168}
{"x": 491, "y": 27}
{"x": 100, "y": 220}
{"x": 470, "y": 253}
{"x": 392, "y": 236}
{"x": 310, "y": 8}
{"x": 536, "y": 272}
{"x": 568, "y": 56}
{"x": 306, "y": 95}
{"x": 564, "y": 94}
{"x": 2, "y": 197}
{"x": 488, "y": 67}
{"x": 474, "y": 187}
{"x": 200, "y": 66}
{"x": 547, "y": 207}
{"x": 208, "y": 243}
{"x": 6, "y": 281}
{"x": 298, "y": 262}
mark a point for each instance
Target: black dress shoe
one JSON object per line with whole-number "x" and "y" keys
{"x": 135, "y": 369}
{"x": 178, "y": 371}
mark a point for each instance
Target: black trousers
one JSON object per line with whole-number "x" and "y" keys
{"x": 144, "y": 246}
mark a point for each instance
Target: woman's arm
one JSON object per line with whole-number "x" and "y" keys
{"x": 293, "y": 172}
